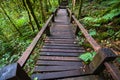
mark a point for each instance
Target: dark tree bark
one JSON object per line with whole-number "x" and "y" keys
{"x": 59, "y": 2}
{"x": 80, "y": 8}
{"x": 42, "y": 11}
{"x": 28, "y": 3}
{"x": 10, "y": 20}
{"x": 46, "y": 5}
{"x": 49, "y": 4}
{"x": 30, "y": 19}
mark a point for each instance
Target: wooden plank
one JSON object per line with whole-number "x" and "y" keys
{"x": 73, "y": 45}
{"x": 59, "y": 58}
{"x": 113, "y": 70}
{"x": 70, "y": 40}
{"x": 61, "y": 42}
{"x": 55, "y": 68}
{"x": 64, "y": 47}
{"x": 59, "y": 54}
{"x": 90, "y": 77}
{"x": 62, "y": 50}
{"x": 57, "y": 39}
{"x": 59, "y": 75}
{"x": 13, "y": 72}
{"x": 58, "y": 63}
{"x": 61, "y": 37}
{"x": 104, "y": 54}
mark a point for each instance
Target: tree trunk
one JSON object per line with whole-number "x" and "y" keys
{"x": 10, "y": 20}
{"x": 80, "y": 8}
{"x": 46, "y": 5}
{"x": 30, "y": 19}
{"x": 28, "y": 3}
{"x": 73, "y": 4}
{"x": 49, "y": 4}
{"x": 59, "y": 2}
{"x": 3, "y": 36}
{"x": 42, "y": 11}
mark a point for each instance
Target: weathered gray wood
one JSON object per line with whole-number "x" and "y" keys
{"x": 59, "y": 54}
{"x": 13, "y": 72}
{"x": 62, "y": 50}
{"x": 58, "y": 63}
{"x": 104, "y": 54}
{"x": 59, "y": 75}
{"x": 113, "y": 70}
{"x": 55, "y": 68}
{"x": 59, "y": 58}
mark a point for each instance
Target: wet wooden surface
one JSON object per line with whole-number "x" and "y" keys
{"x": 59, "y": 55}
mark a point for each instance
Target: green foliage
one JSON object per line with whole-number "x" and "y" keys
{"x": 87, "y": 57}
{"x": 110, "y": 32}
{"x": 35, "y": 78}
{"x": 13, "y": 45}
{"x": 21, "y": 21}
{"x": 104, "y": 19}
{"x": 92, "y": 32}
{"x": 80, "y": 39}
{"x": 118, "y": 59}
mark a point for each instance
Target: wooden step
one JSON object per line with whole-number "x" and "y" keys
{"x": 55, "y": 68}
{"x": 62, "y": 50}
{"x": 57, "y": 39}
{"x": 59, "y": 58}
{"x": 59, "y": 54}
{"x": 60, "y": 42}
{"x": 58, "y": 63}
{"x": 52, "y": 37}
{"x": 64, "y": 47}
{"x": 68, "y": 45}
{"x": 58, "y": 75}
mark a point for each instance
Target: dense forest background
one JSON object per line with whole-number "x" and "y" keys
{"x": 20, "y": 21}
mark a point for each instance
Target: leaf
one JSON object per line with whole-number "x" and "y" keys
{"x": 87, "y": 57}
{"x": 35, "y": 78}
{"x": 92, "y": 32}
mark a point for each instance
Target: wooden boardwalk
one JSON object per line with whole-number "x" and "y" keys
{"x": 59, "y": 55}
{"x": 58, "y": 58}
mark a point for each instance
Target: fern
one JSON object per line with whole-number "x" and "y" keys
{"x": 104, "y": 19}
{"x": 112, "y": 14}
{"x": 115, "y": 3}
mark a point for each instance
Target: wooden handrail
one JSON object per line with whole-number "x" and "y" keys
{"x": 25, "y": 56}
{"x": 110, "y": 67}
{"x": 93, "y": 43}
{"x": 115, "y": 73}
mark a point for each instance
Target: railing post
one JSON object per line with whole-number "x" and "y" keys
{"x": 53, "y": 17}
{"x": 48, "y": 30}
{"x": 68, "y": 12}
{"x": 103, "y": 55}
{"x": 71, "y": 18}
{"x": 77, "y": 30}
{"x": 13, "y": 72}
{"x": 113, "y": 70}
{"x": 56, "y": 11}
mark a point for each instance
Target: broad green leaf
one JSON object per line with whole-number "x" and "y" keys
{"x": 87, "y": 57}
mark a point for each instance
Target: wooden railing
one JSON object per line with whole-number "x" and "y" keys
{"x": 100, "y": 62}
{"x": 25, "y": 56}
{"x": 15, "y": 71}
{"x": 104, "y": 55}
{"x": 45, "y": 29}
